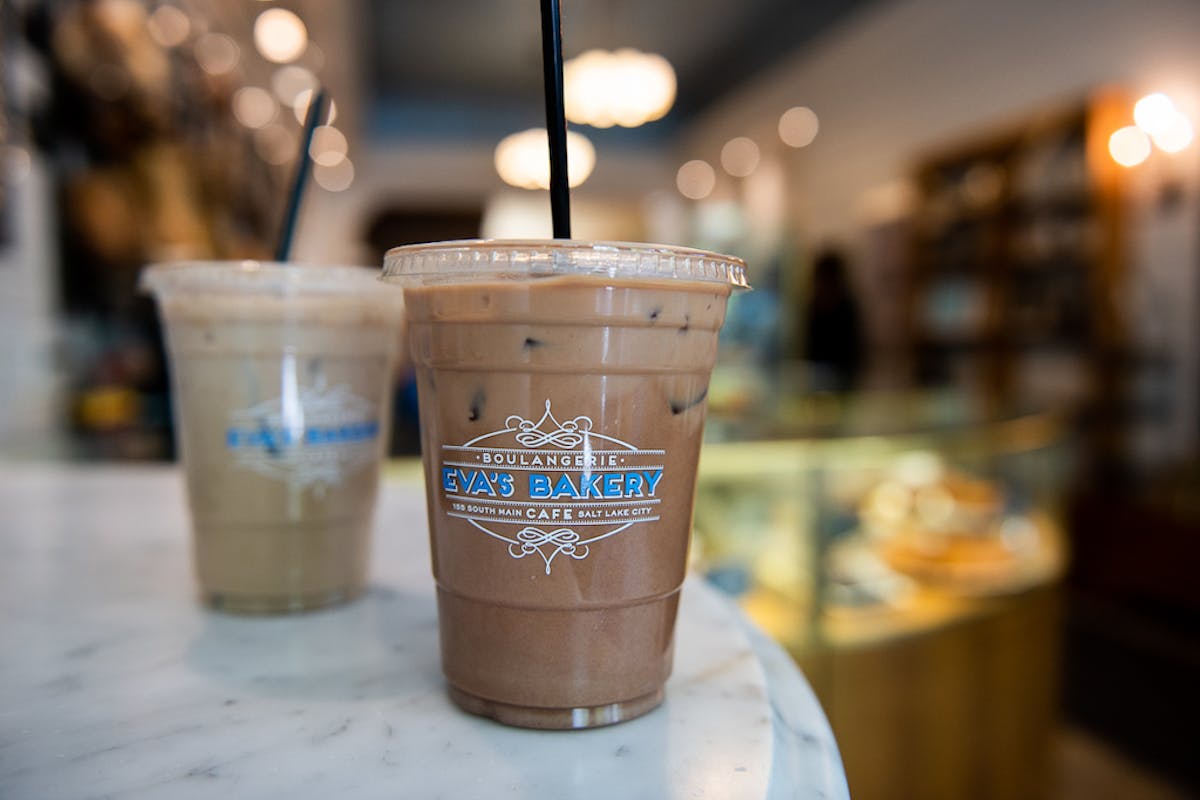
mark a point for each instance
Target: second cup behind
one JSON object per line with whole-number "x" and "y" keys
{"x": 281, "y": 378}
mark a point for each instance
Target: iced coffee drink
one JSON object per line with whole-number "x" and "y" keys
{"x": 281, "y": 379}
{"x": 562, "y": 393}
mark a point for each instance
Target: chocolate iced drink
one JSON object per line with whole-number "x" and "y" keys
{"x": 281, "y": 378}
{"x": 561, "y": 420}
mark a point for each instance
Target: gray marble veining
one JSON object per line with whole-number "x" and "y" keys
{"x": 115, "y": 683}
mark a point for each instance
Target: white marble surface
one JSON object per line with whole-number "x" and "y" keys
{"x": 114, "y": 683}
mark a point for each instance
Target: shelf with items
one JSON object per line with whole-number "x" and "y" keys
{"x": 1016, "y": 258}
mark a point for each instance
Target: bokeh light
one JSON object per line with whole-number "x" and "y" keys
{"x": 336, "y": 177}
{"x": 328, "y": 147}
{"x": 254, "y": 107}
{"x": 1176, "y": 136}
{"x": 740, "y": 156}
{"x": 304, "y": 100}
{"x": 696, "y": 179}
{"x": 798, "y": 126}
{"x": 168, "y": 26}
{"x": 280, "y": 35}
{"x": 523, "y": 159}
{"x": 216, "y": 53}
{"x": 1154, "y": 113}
{"x": 1129, "y": 146}
{"x": 625, "y": 87}
{"x": 288, "y": 82}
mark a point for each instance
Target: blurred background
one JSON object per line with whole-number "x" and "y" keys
{"x": 953, "y": 459}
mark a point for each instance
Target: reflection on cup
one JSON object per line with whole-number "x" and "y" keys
{"x": 281, "y": 378}
{"x": 562, "y": 396}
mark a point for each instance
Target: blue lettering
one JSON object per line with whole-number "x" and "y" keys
{"x": 264, "y": 439}
{"x": 539, "y": 486}
{"x": 592, "y": 488}
{"x": 479, "y": 485}
{"x": 449, "y": 484}
{"x": 652, "y": 479}
{"x": 564, "y": 488}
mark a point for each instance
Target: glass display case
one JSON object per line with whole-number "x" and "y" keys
{"x": 856, "y": 518}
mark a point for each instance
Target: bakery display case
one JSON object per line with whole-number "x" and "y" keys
{"x": 905, "y": 549}
{"x": 844, "y": 519}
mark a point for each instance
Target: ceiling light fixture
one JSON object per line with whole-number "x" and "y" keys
{"x": 624, "y": 87}
{"x": 522, "y": 159}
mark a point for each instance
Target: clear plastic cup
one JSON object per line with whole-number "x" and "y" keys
{"x": 281, "y": 381}
{"x": 562, "y": 398}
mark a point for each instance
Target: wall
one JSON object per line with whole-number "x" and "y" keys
{"x": 462, "y": 175}
{"x": 908, "y": 77}
{"x": 30, "y": 383}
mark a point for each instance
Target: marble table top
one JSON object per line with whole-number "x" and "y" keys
{"x": 115, "y": 683}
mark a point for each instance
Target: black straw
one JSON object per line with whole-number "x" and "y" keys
{"x": 300, "y": 180}
{"x": 556, "y": 118}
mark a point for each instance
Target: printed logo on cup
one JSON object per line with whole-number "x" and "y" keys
{"x": 547, "y": 488}
{"x": 312, "y": 436}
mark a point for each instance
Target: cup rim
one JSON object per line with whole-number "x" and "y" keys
{"x": 539, "y": 258}
{"x": 256, "y": 276}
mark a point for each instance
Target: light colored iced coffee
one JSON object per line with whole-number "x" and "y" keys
{"x": 281, "y": 379}
{"x": 562, "y": 394}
